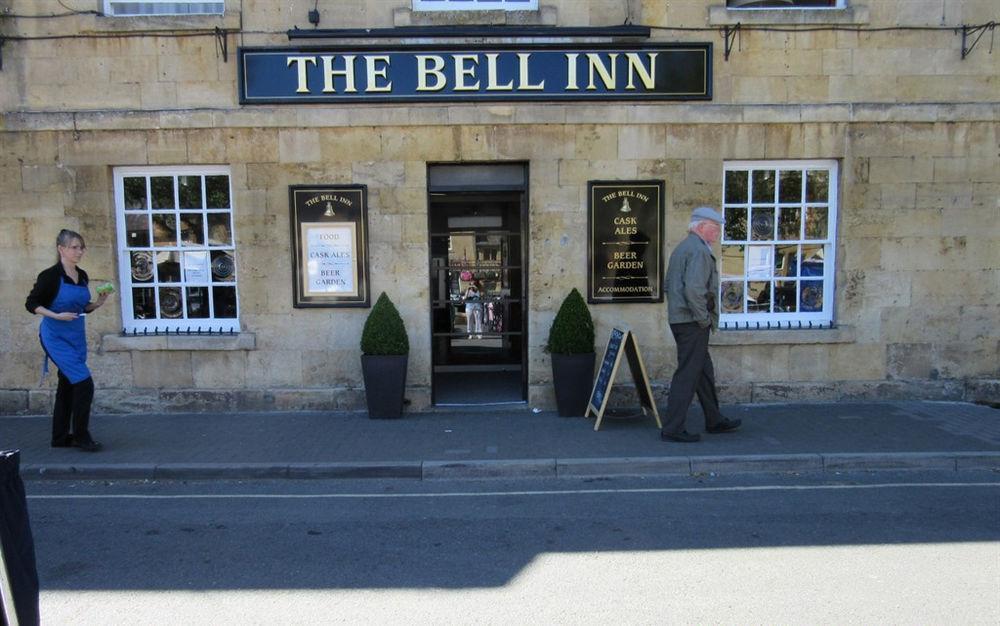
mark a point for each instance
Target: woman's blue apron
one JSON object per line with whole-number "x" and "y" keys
{"x": 66, "y": 342}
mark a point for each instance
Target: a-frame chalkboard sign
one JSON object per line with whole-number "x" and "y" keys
{"x": 621, "y": 342}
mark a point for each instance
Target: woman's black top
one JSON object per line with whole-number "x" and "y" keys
{"x": 47, "y": 286}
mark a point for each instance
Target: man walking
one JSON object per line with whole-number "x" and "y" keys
{"x": 692, "y": 286}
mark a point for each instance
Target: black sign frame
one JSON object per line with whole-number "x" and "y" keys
{"x": 329, "y": 212}
{"x": 691, "y": 64}
{"x": 625, "y": 226}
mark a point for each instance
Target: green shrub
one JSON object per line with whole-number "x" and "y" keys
{"x": 384, "y": 332}
{"x": 572, "y": 329}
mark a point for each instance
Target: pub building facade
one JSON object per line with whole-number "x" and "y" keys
{"x": 252, "y": 174}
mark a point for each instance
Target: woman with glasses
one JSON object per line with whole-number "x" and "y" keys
{"x": 61, "y": 295}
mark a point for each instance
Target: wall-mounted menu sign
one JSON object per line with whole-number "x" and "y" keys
{"x": 329, "y": 245}
{"x": 625, "y": 241}
{"x": 534, "y": 72}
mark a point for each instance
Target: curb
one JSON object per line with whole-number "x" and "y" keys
{"x": 523, "y": 468}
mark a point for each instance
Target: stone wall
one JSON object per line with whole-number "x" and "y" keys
{"x": 916, "y": 131}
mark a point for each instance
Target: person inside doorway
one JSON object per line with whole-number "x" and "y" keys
{"x": 474, "y": 309}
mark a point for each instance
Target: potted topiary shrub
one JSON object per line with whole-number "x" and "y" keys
{"x": 385, "y": 347}
{"x": 571, "y": 344}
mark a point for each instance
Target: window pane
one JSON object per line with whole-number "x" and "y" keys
{"x": 143, "y": 303}
{"x": 163, "y": 191}
{"x": 759, "y": 297}
{"x": 135, "y": 193}
{"x": 759, "y": 261}
{"x": 168, "y": 268}
{"x": 732, "y": 296}
{"x": 197, "y": 302}
{"x": 171, "y": 302}
{"x": 817, "y": 185}
{"x": 812, "y": 296}
{"x": 762, "y": 223}
{"x": 763, "y": 185}
{"x": 784, "y": 297}
{"x": 789, "y": 223}
{"x": 217, "y": 192}
{"x": 790, "y": 186}
{"x": 164, "y": 229}
{"x": 219, "y": 233}
{"x": 189, "y": 191}
{"x": 732, "y": 261}
{"x": 786, "y": 261}
{"x": 813, "y": 258}
{"x": 816, "y": 218}
{"x": 137, "y": 230}
{"x": 224, "y": 299}
{"x": 736, "y": 187}
{"x": 223, "y": 267}
{"x": 736, "y": 223}
{"x": 192, "y": 229}
{"x": 142, "y": 267}
{"x": 196, "y": 267}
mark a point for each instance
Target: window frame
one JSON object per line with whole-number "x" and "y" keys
{"x": 474, "y": 5}
{"x": 108, "y": 8}
{"x": 840, "y": 5}
{"x": 183, "y": 324}
{"x": 772, "y": 319}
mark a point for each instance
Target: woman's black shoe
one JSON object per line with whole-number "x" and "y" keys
{"x": 682, "y": 437}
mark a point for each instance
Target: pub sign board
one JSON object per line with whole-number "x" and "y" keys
{"x": 485, "y": 73}
{"x": 329, "y": 245}
{"x": 625, "y": 241}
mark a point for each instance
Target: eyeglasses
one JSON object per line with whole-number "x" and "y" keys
{"x": 76, "y": 247}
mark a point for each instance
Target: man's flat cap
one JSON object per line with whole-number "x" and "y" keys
{"x": 707, "y": 213}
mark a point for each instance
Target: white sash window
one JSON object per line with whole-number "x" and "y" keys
{"x": 131, "y": 8}
{"x": 778, "y": 245}
{"x": 475, "y": 5}
{"x": 786, "y": 4}
{"x": 176, "y": 250}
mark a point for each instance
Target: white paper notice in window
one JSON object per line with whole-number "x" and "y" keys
{"x": 196, "y": 267}
{"x": 330, "y": 258}
{"x": 759, "y": 262}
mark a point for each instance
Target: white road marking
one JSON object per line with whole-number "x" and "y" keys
{"x": 496, "y": 494}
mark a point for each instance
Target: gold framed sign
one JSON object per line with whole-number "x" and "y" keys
{"x": 624, "y": 241}
{"x": 329, "y": 245}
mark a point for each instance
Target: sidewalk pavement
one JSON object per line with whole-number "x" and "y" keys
{"x": 486, "y": 443}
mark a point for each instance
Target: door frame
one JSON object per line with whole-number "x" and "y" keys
{"x": 473, "y": 186}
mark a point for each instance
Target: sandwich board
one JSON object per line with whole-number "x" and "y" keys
{"x": 621, "y": 342}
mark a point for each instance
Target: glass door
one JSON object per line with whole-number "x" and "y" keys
{"x": 477, "y": 278}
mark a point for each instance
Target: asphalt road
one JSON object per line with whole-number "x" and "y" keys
{"x": 909, "y": 547}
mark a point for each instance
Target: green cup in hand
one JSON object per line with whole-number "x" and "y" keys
{"x": 106, "y": 288}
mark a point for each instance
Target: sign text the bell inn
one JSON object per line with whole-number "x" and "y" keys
{"x": 441, "y": 74}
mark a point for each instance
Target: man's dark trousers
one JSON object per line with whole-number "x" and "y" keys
{"x": 694, "y": 374}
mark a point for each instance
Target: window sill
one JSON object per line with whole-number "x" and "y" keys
{"x": 409, "y": 17}
{"x": 150, "y": 23}
{"x": 719, "y": 15}
{"x": 840, "y": 334}
{"x": 119, "y": 343}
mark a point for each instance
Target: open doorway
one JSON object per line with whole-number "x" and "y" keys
{"x": 477, "y": 232}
